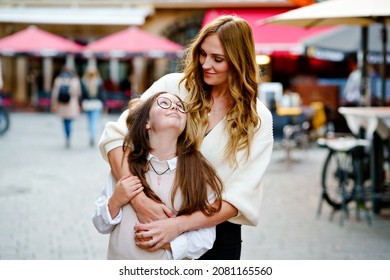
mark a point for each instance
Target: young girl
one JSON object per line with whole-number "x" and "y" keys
{"x": 170, "y": 170}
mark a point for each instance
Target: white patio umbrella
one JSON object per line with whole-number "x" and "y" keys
{"x": 342, "y": 12}
{"x": 348, "y": 39}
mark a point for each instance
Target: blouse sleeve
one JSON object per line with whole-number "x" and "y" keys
{"x": 193, "y": 244}
{"x": 102, "y": 218}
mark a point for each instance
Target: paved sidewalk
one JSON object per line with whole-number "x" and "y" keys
{"x": 47, "y": 196}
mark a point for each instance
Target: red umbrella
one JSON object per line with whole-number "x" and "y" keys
{"x": 37, "y": 41}
{"x": 133, "y": 41}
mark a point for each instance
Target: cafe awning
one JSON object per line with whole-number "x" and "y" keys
{"x": 133, "y": 42}
{"x": 35, "y": 41}
{"x": 270, "y": 39}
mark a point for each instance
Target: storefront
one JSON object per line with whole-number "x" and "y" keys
{"x": 85, "y": 23}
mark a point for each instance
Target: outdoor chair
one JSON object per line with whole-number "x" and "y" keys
{"x": 290, "y": 133}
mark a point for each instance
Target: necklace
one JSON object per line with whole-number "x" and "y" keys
{"x": 158, "y": 173}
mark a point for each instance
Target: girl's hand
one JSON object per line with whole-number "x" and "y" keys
{"x": 125, "y": 190}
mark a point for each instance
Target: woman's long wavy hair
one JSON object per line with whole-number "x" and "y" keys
{"x": 194, "y": 175}
{"x": 243, "y": 78}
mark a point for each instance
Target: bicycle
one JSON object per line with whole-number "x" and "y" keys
{"x": 345, "y": 175}
{"x": 4, "y": 118}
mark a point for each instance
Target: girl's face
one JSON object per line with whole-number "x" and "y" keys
{"x": 213, "y": 61}
{"x": 167, "y": 112}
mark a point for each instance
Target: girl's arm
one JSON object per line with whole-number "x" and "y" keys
{"x": 125, "y": 190}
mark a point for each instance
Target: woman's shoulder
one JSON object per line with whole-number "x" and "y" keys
{"x": 263, "y": 110}
{"x": 265, "y": 131}
{"x": 171, "y": 83}
{"x": 172, "y": 78}
{"x": 174, "y": 75}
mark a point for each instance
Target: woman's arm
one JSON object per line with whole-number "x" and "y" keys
{"x": 166, "y": 230}
{"x": 119, "y": 166}
{"x": 189, "y": 245}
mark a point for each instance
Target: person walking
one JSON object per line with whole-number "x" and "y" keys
{"x": 230, "y": 125}
{"x": 65, "y": 98}
{"x": 160, "y": 160}
{"x": 351, "y": 92}
{"x": 92, "y": 100}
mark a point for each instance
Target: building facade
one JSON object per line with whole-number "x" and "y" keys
{"x": 27, "y": 76}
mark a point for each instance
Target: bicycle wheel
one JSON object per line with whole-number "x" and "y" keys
{"x": 337, "y": 170}
{"x": 4, "y": 120}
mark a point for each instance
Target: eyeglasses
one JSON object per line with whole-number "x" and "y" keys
{"x": 166, "y": 103}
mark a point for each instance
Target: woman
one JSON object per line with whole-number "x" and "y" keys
{"x": 230, "y": 125}
{"x": 92, "y": 100}
{"x": 66, "y": 84}
{"x": 160, "y": 147}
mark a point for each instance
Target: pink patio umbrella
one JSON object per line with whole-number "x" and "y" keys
{"x": 33, "y": 40}
{"x": 133, "y": 42}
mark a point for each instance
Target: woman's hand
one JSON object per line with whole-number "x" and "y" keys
{"x": 125, "y": 190}
{"x": 149, "y": 210}
{"x": 156, "y": 235}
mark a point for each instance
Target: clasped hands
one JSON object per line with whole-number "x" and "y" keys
{"x": 157, "y": 227}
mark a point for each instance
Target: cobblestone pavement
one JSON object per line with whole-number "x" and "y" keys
{"x": 47, "y": 196}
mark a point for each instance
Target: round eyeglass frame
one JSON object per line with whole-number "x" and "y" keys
{"x": 180, "y": 105}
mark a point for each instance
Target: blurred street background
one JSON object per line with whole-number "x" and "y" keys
{"x": 309, "y": 78}
{"x": 47, "y": 195}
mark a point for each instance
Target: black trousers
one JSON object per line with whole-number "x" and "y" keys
{"x": 227, "y": 245}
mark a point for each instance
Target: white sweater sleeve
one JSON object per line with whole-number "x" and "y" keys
{"x": 113, "y": 135}
{"x": 244, "y": 186}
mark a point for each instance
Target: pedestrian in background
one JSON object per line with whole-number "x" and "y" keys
{"x": 352, "y": 86}
{"x": 65, "y": 98}
{"x": 92, "y": 100}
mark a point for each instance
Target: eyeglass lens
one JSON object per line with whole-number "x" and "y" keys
{"x": 166, "y": 103}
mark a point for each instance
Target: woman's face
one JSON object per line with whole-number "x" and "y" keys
{"x": 213, "y": 61}
{"x": 165, "y": 114}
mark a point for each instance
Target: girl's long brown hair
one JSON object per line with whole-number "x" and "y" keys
{"x": 194, "y": 174}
